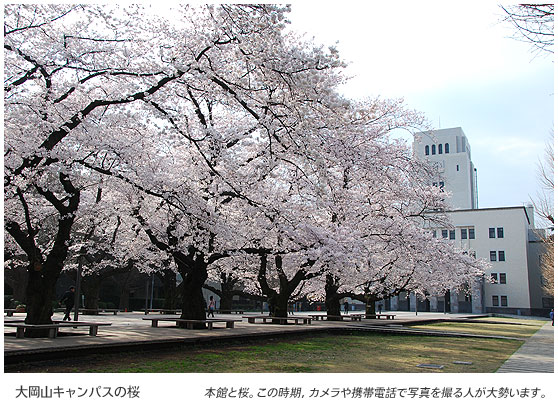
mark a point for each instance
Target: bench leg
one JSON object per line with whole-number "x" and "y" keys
{"x": 209, "y": 325}
{"x": 230, "y": 324}
{"x": 20, "y": 332}
{"x": 251, "y": 320}
{"x": 189, "y": 325}
{"x": 93, "y": 330}
{"x": 52, "y": 333}
{"x": 10, "y": 314}
{"x": 154, "y": 323}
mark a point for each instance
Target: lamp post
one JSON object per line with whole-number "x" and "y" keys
{"x": 146, "y": 292}
{"x": 78, "y": 283}
{"x": 152, "y": 285}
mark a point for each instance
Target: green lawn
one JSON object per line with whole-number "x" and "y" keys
{"x": 358, "y": 352}
{"x": 521, "y": 329}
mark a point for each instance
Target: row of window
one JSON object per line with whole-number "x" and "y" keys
{"x": 495, "y": 231}
{"x": 500, "y": 254}
{"x": 469, "y": 233}
{"x": 465, "y": 233}
{"x": 502, "y": 277}
{"x": 499, "y": 300}
{"x": 446, "y": 148}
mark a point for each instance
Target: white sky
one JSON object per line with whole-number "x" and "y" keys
{"x": 455, "y": 62}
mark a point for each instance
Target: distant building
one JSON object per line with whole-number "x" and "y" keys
{"x": 504, "y": 236}
{"x": 449, "y": 149}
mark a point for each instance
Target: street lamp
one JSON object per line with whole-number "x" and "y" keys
{"x": 81, "y": 254}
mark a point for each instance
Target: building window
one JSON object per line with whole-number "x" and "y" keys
{"x": 447, "y": 149}
{"x": 433, "y": 149}
{"x": 426, "y": 150}
{"x": 452, "y": 234}
{"x": 501, "y": 256}
{"x": 458, "y": 168}
{"x": 440, "y": 148}
{"x": 495, "y": 301}
{"x": 471, "y": 233}
{"x": 503, "y": 279}
{"x": 503, "y": 301}
{"x": 444, "y": 233}
{"x": 500, "y": 232}
{"x": 493, "y": 256}
{"x": 433, "y": 233}
{"x": 441, "y": 186}
{"x": 463, "y": 233}
{"x": 491, "y": 232}
{"x": 494, "y": 277}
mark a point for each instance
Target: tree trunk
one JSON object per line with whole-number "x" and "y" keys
{"x": 280, "y": 309}
{"x": 226, "y": 302}
{"x": 41, "y": 291}
{"x": 124, "y": 300}
{"x": 370, "y": 301}
{"x": 193, "y": 306}
{"x": 91, "y": 286}
{"x": 332, "y": 297}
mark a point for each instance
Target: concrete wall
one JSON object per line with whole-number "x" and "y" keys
{"x": 515, "y": 246}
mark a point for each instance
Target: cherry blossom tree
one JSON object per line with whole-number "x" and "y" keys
{"x": 75, "y": 72}
{"x": 185, "y": 142}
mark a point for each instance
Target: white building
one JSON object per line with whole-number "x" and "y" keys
{"x": 449, "y": 149}
{"x": 503, "y": 236}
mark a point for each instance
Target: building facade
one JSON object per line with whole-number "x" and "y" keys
{"x": 449, "y": 150}
{"x": 503, "y": 236}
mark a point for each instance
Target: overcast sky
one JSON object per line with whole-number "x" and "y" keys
{"x": 458, "y": 65}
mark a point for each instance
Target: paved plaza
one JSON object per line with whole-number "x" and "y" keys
{"x": 128, "y": 330}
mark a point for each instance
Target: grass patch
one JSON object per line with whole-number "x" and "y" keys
{"x": 523, "y": 330}
{"x": 353, "y": 353}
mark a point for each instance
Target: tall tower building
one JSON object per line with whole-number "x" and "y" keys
{"x": 450, "y": 151}
{"x": 505, "y": 237}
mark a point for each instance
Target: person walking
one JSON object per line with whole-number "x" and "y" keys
{"x": 552, "y": 316}
{"x": 346, "y": 306}
{"x": 211, "y": 307}
{"x": 68, "y": 299}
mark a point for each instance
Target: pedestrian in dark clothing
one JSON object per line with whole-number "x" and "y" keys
{"x": 68, "y": 299}
{"x": 346, "y": 305}
{"x": 211, "y": 307}
{"x": 380, "y": 308}
{"x": 552, "y": 316}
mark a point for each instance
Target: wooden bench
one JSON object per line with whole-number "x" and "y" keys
{"x": 229, "y": 323}
{"x": 227, "y": 311}
{"x": 337, "y": 317}
{"x": 54, "y": 327}
{"x": 162, "y": 311}
{"x": 98, "y": 311}
{"x": 380, "y": 316}
{"x": 280, "y": 320}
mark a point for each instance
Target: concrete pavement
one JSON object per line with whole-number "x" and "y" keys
{"x": 128, "y": 331}
{"x": 536, "y": 355}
